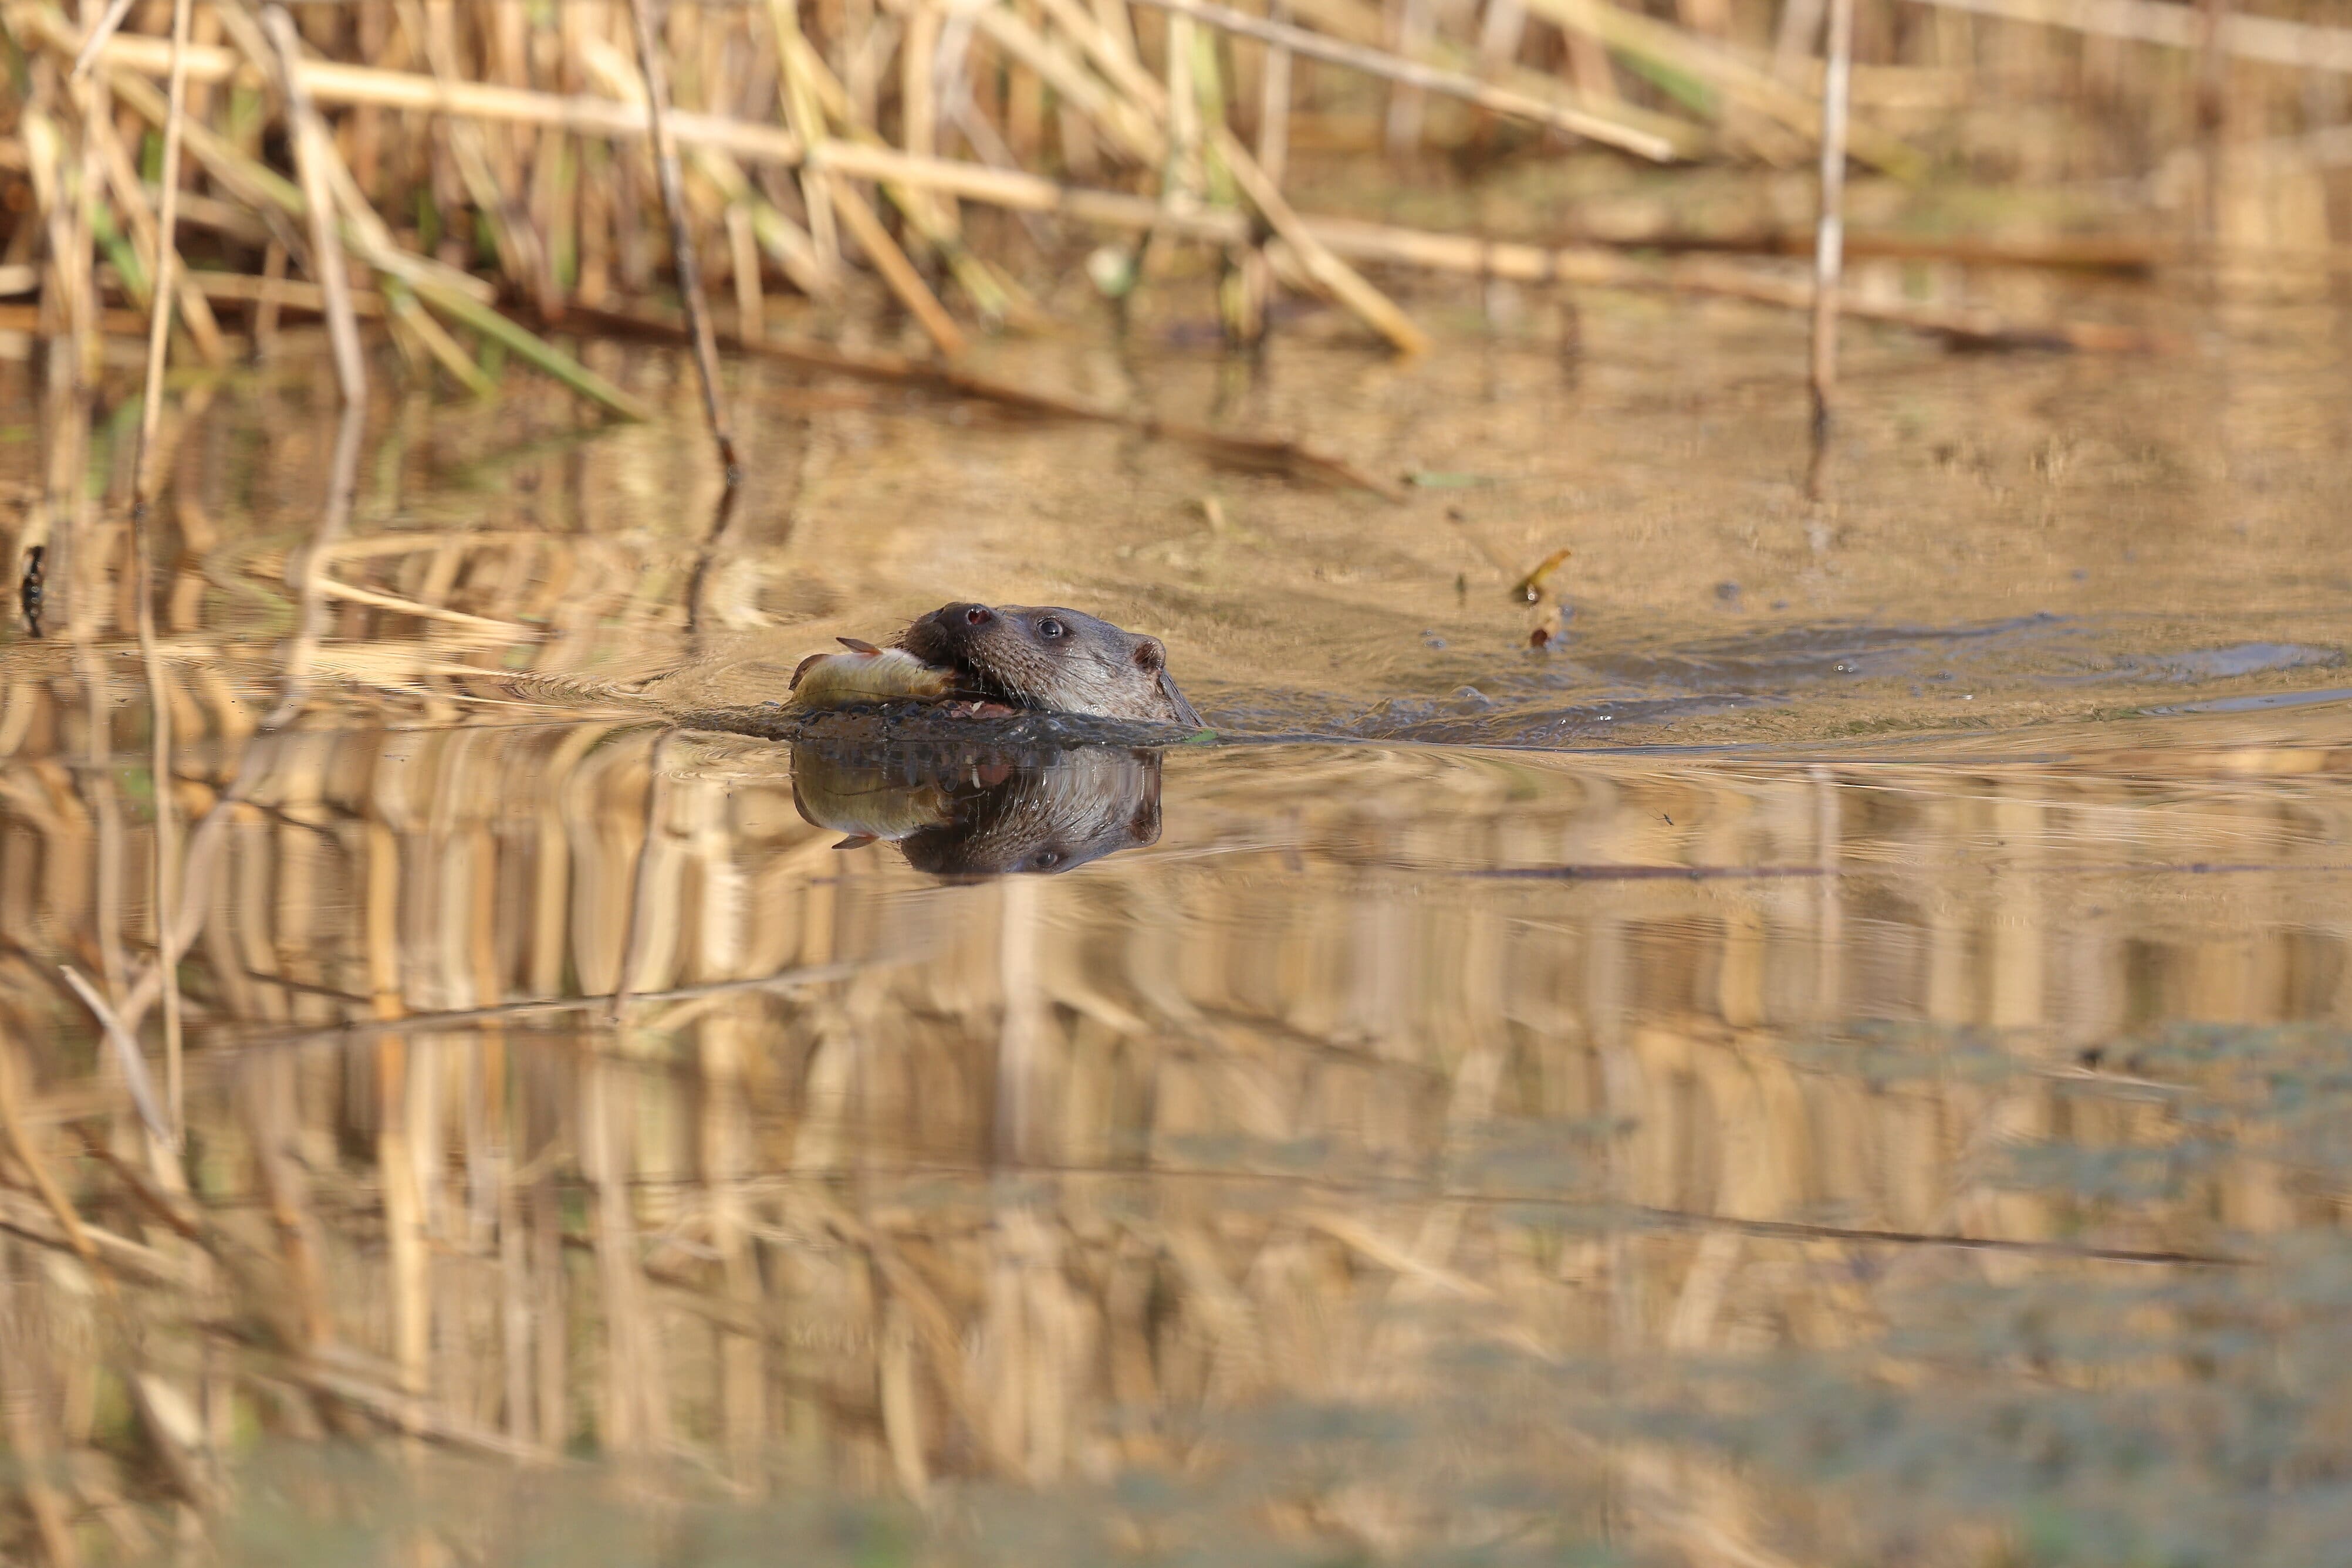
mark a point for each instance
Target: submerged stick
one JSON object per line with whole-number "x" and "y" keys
{"x": 681, "y": 234}
{"x": 1829, "y": 252}
{"x": 326, "y": 250}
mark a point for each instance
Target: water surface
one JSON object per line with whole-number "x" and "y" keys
{"x": 1838, "y": 1059}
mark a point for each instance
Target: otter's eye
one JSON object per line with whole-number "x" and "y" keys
{"x": 1050, "y": 627}
{"x": 1046, "y": 860}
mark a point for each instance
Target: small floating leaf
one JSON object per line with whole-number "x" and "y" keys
{"x": 1529, "y": 589}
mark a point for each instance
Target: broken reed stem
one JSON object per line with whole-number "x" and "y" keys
{"x": 682, "y": 233}
{"x": 326, "y": 249}
{"x": 166, "y": 855}
{"x": 1394, "y": 67}
{"x": 1828, "y": 247}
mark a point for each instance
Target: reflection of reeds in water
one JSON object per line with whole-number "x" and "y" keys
{"x": 1043, "y": 1180}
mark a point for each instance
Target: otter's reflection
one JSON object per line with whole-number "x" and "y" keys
{"x": 965, "y": 810}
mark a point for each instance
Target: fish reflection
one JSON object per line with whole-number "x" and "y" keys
{"x": 965, "y": 810}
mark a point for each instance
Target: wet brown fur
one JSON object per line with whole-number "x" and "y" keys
{"x": 1045, "y": 656}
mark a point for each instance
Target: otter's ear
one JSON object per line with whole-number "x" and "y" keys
{"x": 1149, "y": 654}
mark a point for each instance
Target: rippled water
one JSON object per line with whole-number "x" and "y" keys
{"x": 1838, "y": 1059}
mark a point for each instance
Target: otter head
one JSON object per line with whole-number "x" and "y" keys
{"x": 1052, "y": 658}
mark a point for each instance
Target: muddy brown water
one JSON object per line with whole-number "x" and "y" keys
{"x": 1843, "y": 1059}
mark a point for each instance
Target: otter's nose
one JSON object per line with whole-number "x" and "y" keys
{"x": 979, "y": 616}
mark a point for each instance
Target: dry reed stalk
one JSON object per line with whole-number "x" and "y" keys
{"x": 1590, "y": 90}
{"x": 682, "y": 233}
{"x": 520, "y": 254}
{"x": 895, "y": 269}
{"x": 1733, "y": 78}
{"x": 401, "y": 303}
{"x": 1595, "y": 267}
{"x": 1316, "y": 259}
{"x": 132, "y": 196}
{"x": 1274, "y": 96}
{"x": 1335, "y": 276}
{"x": 743, "y": 261}
{"x": 1829, "y": 254}
{"x": 454, "y": 293}
{"x": 329, "y": 81}
{"x": 264, "y": 319}
{"x": 2271, "y": 39}
{"x": 1792, "y": 46}
{"x": 1182, "y": 176}
{"x": 110, "y": 324}
{"x": 310, "y": 153}
{"x": 109, "y": 23}
{"x": 1399, "y": 67}
{"x": 918, "y": 97}
{"x": 806, "y": 119}
{"x": 165, "y": 852}
{"x": 1257, "y": 280}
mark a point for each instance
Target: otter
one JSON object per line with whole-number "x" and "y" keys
{"x": 1035, "y": 657}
